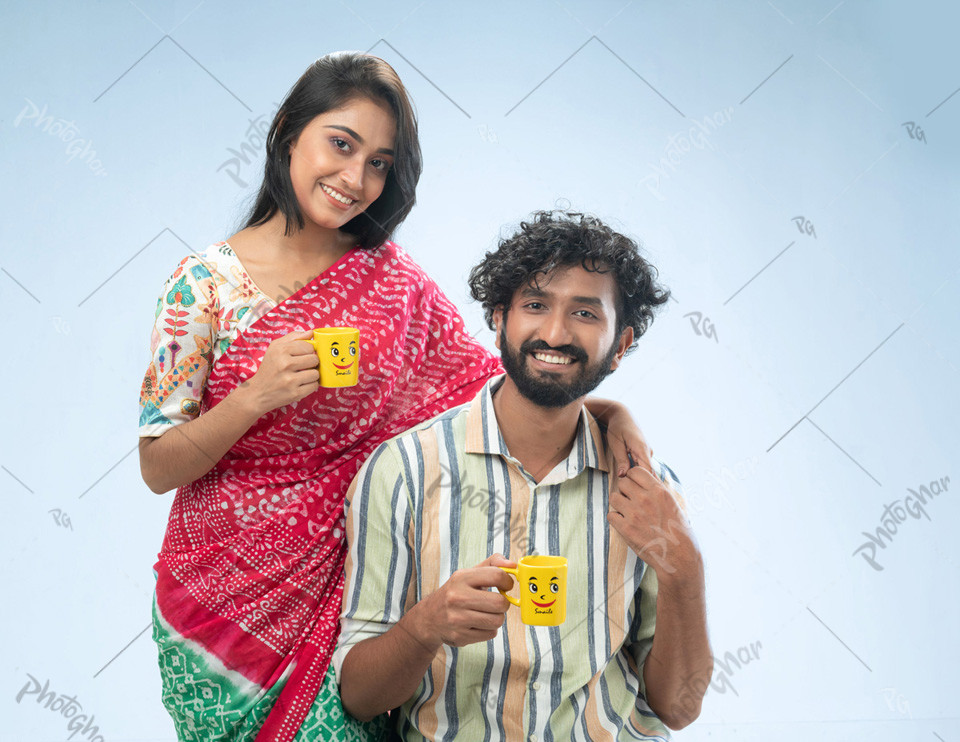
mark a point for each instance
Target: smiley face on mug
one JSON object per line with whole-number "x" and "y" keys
{"x": 343, "y": 358}
{"x": 544, "y": 596}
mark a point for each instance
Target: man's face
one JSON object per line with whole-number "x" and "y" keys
{"x": 559, "y": 341}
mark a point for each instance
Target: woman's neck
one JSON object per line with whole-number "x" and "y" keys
{"x": 308, "y": 245}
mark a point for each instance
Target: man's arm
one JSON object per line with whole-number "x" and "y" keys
{"x": 383, "y": 672}
{"x": 678, "y": 667}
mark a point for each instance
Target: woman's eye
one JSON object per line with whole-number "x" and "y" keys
{"x": 341, "y": 144}
{"x": 380, "y": 165}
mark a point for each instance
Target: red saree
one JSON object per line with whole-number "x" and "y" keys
{"x": 250, "y": 575}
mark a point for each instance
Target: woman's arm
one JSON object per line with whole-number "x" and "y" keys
{"x": 625, "y": 439}
{"x": 189, "y": 450}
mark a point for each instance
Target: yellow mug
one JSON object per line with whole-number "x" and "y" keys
{"x": 543, "y": 589}
{"x": 338, "y": 351}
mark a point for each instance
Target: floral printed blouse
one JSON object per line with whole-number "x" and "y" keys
{"x": 207, "y": 302}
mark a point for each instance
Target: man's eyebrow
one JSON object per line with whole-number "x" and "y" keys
{"x": 529, "y": 290}
{"x": 351, "y": 132}
{"x": 533, "y": 291}
{"x": 592, "y": 300}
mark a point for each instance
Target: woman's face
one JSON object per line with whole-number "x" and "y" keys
{"x": 339, "y": 162}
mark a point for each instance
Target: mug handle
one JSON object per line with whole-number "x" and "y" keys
{"x": 512, "y": 571}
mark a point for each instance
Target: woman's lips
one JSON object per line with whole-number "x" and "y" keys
{"x": 338, "y": 198}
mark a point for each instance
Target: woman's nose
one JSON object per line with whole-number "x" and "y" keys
{"x": 352, "y": 174}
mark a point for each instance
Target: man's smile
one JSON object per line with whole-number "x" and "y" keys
{"x": 552, "y": 358}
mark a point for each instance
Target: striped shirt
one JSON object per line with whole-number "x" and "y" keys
{"x": 445, "y": 496}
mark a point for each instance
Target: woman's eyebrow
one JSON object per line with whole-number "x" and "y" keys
{"x": 351, "y": 132}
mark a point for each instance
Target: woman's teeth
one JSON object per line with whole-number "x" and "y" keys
{"x": 558, "y": 360}
{"x": 336, "y": 195}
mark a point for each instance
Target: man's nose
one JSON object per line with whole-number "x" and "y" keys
{"x": 555, "y": 331}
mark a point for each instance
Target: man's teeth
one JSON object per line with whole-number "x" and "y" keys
{"x": 330, "y": 192}
{"x": 559, "y": 360}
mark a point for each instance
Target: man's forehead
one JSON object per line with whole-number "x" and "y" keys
{"x": 592, "y": 286}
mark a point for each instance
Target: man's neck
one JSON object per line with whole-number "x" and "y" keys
{"x": 538, "y": 437}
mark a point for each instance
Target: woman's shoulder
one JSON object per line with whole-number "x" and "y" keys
{"x": 395, "y": 257}
{"x": 204, "y": 265}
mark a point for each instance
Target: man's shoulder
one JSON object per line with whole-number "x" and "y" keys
{"x": 659, "y": 466}
{"x": 410, "y": 435}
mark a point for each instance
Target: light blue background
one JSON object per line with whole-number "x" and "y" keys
{"x": 829, "y": 388}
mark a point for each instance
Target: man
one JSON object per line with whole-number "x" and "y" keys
{"x": 525, "y": 469}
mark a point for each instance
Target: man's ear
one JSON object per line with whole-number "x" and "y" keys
{"x": 497, "y": 322}
{"x": 625, "y": 341}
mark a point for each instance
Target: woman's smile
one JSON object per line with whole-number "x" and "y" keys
{"x": 339, "y": 197}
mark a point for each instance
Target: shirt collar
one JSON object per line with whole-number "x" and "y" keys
{"x": 484, "y": 437}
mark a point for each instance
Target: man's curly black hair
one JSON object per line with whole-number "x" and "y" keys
{"x": 559, "y": 239}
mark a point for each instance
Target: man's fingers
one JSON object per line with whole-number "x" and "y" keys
{"x": 492, "y": 577}
{"x": 472, "y": 636}
{"x": 497, "y": 560}
{"x": 618, "y": 501}
{"x": 640, "y": 476}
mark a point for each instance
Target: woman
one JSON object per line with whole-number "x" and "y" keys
{"x": 249, "y": 577}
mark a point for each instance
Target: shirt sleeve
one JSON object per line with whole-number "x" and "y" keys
{"x": 379, "y": 583}
{"x": 181, "y": 347}
{"x": 645, "y": 622}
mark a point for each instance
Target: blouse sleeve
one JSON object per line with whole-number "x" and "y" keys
{"x": 181, "y": 349}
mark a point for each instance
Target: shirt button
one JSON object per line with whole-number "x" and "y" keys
{"x": 536, "y": 686}
{"x": 533, "y": 738}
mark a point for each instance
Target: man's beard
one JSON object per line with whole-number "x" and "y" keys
{"x": 546, "y": 389}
